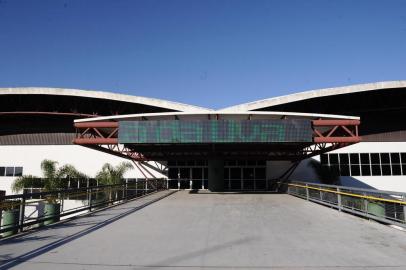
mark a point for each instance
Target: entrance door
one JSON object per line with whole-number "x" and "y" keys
{"x": 245, "y": 175}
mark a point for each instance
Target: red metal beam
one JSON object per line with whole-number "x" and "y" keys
{"x": 321, "y": 123}
{"x": 96, "y": 125}
{"x": 336, "y": 131}
{"x": 337, "y": 139}
{"x": 95, "y": 141}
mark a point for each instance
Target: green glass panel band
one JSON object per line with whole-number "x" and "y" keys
{"x": 215, "y": 131}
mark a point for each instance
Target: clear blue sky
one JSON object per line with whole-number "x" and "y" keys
{"x": 208, "y": 53}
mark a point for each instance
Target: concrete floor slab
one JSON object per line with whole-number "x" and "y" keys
{"x": 213, "y": 231}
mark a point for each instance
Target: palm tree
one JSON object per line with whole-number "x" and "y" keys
{"x": 52, "y": 177}
{"x": 326, "y": 174}
{"x": 110, "y": 175}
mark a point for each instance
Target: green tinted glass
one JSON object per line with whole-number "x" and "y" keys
{"x": 215, "y": 131}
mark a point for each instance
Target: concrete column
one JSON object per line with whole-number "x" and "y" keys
{"x": 216, "y": 174}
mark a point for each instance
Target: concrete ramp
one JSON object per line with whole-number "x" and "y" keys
{"x": 211, "y": 231}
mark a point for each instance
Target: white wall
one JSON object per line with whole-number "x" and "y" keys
{"x": 90, "y": 161}
{"x": 84, "y": 159}
{"x": 390, "y": 183}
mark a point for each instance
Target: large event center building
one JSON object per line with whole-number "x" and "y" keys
{"x": 357, "y": 131}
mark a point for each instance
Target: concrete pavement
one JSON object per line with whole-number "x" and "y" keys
{"x": 212, "y": 231}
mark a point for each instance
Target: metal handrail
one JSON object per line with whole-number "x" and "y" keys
{"x": 85, "y": 199}
{"x": 384, "y": 206}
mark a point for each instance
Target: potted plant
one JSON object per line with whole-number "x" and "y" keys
{"x": 53, "y": 179}
{"x": 10, "y": 217}
{"x": 112, "y": 175}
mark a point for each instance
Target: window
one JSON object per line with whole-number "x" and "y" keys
{"x": 366, "y": 164}
{"x": 366, "y": 170}
{"x": 385, "y": 158}
{"x": 197, "y": 173}
{"x": 355, "y": 170}
{"x": 395, "y": 158}
{"x": 9, "y": 171}
{"x": 18, "y": 171}
{"x": 324, "y": 159}
{"x": 184, "y": 173}
{"x": 333, "y": 159}
{"x": 376, "y": 164}
{"x": 260, "y": 173}
{"x": 190, "y": 163}
{"x": 396, "y": 169}
{"x": 365, "y": 158}
{"x": 235, "y": 173}
{"x": 395, "y": 162}
{"x": 261, "y": 163}
{"x": 344, "y": 159}
{"x": 251, "y": 163}
{"x": 173, "y": 173}
{"x": 375, "y": 158}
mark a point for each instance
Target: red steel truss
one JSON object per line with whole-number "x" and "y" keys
{"x": 103, "y": 136}
{"x": 327, "y": 135}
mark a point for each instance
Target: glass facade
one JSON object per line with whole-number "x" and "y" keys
{"x": 366, "y": 164}
{"x": 215, "y": 131}
{"x": 238, "y": 175}
{"x": 11, "y": 171}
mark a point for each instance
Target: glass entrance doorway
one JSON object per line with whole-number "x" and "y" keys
{"x": 239, "y": 175}
{"x": 242, "y": 175}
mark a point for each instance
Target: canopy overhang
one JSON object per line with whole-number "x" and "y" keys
{"x": 328, "y": 132}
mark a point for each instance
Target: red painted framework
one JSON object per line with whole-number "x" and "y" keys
{"x": 327, "y": 135}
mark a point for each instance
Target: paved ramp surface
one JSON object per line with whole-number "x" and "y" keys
{"x": 211, "y": 231}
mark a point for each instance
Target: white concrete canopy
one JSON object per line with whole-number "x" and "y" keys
{"x": 102, "y": 95}
{"x": 264, "y": 103}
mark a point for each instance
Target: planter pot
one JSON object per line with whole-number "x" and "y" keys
{"x": 52, "y": 210}
{"x": 10, "y": 219}
{"x": 376, "y": 209}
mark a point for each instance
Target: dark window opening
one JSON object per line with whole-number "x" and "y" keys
{"x": 354, "y": 158}
{"x": 364, "y": 158}
{"x": 396, "y": 170}
{"x": 333, "y": 158}
{"x": 324, "y": 159}
{"x": 385, "y": 158}
{"x": 345, "y": 170}
{"x": 386, "y": 170}
{"x": 376, "y": 170}
{"x": 395, "y": 158}
{"x": 366, "y": 170}
{"x": 375, "y": 158}
{"x": 18, "y": 171}
{"x": 355, "y": 170}
{"x": 9, "y": 171}
{"x": 344, "y": 159}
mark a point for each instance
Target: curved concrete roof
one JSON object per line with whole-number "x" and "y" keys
{"x": 103, "y": 95}
{"x": 255, "y": 105}
{"x": 214, "y": 114}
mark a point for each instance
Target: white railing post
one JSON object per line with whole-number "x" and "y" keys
{"x": 366, "y": 204}
{"x": 339, "y": 199}
{"x": 404, "y": 208}
{"x": 307, "y": 192}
